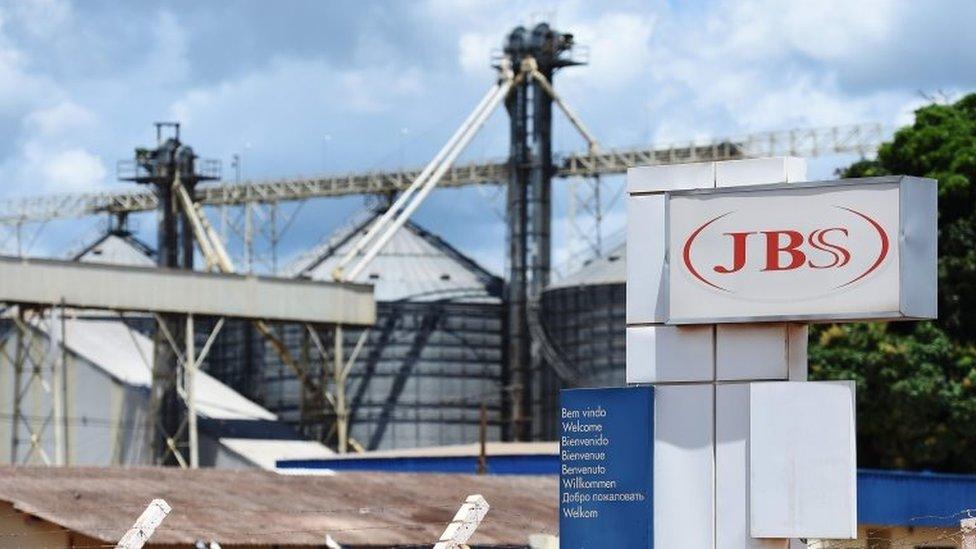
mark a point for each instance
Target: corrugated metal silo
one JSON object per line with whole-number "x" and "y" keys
{"x": 433, "y": 357}
{"x": 585, "y": 317}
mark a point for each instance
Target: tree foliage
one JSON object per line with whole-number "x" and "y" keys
{"x": 916, "y": 381}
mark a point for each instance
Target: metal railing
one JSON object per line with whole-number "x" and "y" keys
{"x": 857, "y": 139}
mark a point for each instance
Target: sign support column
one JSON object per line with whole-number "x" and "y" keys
{"x": 727, "y": 262}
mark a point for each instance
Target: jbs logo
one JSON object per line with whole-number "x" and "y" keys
{"x": 782, "y": 249}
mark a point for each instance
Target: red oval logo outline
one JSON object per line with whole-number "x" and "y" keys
{"x": 882, "y": 255}
{"x": 686, "y": 253}
{"x": 884, "y": 246}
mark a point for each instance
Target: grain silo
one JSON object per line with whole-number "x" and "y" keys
{"x": 585, "y": 317}
{"x": 430, "y": 362}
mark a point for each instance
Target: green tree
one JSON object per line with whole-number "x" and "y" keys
{"x": 916, "y": 381}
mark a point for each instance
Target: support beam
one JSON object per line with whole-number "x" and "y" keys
{"x": 171, "y": 291}
{"x": 189, "y": 389}
{"x": 33, "y": 386}
{"x": 342, "y": 411}
{"x": 59, "y": 366}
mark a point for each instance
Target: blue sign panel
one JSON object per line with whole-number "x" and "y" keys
{"x": 606, "y": 453}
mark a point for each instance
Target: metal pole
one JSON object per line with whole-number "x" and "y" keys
{"x": 575, "y": 232}
{"x": 57, "y": 389}
{"x": 223, "y": 222}
{"x": 342, "y": 414}
{"x": 248, "y": 238}
{"x": 64, "y": 386}
{"x": 305, "y": 421}
{"x": 189, "y": 385}
{"x": 273, "y": 217}
{"x": 483, "y": 436}
{"x": 18, "y": 375}
{"x": 598, "y": 214}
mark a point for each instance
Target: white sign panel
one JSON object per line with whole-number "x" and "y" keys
{"x": 839, "y": 250}
{"x": 802, "y": 460}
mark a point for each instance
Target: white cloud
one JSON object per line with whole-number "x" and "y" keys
{"x": 289, "y": 86}
{"x": 620, "y": 48}
{"x": 69, "y": 170}
{"x": 43, "y": 168}
{"x": 51, "y": 156}
{"x": 830, "y": 30}
{"x": 64, "y": 118}
{"x": 19, "y": 89}
{"x": 43, "y": 19}
{"x": 474, "y": 51}
{"x": 761, "y": 64}
{"x": 168, "y": 60}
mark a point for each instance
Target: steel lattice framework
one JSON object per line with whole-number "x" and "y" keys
{"x": 856, "y": 139}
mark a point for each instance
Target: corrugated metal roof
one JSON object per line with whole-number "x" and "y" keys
{"x": 262, "y": 508}
{"x": 609, "y": 269}
{"x": 117, "y": 249}
{"x": 126, "y": 355}
{"x": 265, "y": 453}
{"x": 414, "y": 265}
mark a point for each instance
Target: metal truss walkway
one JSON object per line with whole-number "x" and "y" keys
{"x": 857, "y": 139}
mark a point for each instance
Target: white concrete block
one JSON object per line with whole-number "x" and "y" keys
{"x": 683, "y": 466}
{"x": 798, "y": 340}
{"x": 751, "y": 352}
{"x": 802, "y": 460}
{"x": 661, "y": 353}
{"x": 647, "y": 294}
{"x": 732, "y": 471}
{"x": 674, "y": 177}
{"x": 760, "y": 171}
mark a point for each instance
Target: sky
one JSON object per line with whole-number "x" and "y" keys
{"x": 303, "y": 87}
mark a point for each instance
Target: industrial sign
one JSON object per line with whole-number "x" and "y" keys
{"x": 838, "y": 250}
{"x": 606, "y": 467}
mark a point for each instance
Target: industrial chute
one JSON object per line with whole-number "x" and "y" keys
{"x": 383, "y": 229}
{"x": 530, "y": 67}
{"x": 389, "y": 222}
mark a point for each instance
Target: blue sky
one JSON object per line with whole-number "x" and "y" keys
{"x": 305, "y": 87}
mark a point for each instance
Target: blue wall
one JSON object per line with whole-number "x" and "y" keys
{"x": 893, "y": 498}
{"x": 913, "y": 499}
{"x": 542, "y": 464}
